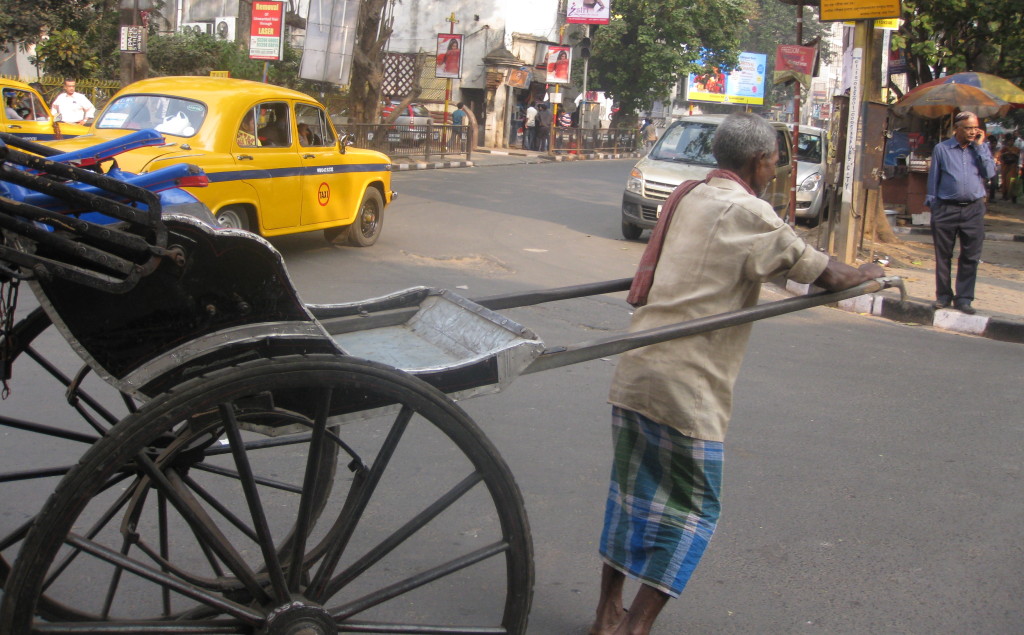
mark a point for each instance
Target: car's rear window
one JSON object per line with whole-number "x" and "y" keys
{"x": 170, "y": 115}
{"x": 686, "y": 142}
{"x": 420, "y": 111}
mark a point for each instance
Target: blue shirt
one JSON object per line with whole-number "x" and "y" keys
{"x": 958, "y": 173}
{"x": 457, "y": 117}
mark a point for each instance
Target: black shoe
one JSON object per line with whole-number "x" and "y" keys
{"x": 965, "y": 307}
{"x": 940, "y": 304}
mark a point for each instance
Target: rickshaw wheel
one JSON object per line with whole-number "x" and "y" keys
{"x": 92, "y": 407}
{"x": 219, "y": 498}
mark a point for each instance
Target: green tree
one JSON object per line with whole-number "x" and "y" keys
{"x": 650, "y": 45}
{"x": 950, "y": 36}
{"x": 66, "y": 53}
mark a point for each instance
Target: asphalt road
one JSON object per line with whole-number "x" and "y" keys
{"x": 873, "y": 480}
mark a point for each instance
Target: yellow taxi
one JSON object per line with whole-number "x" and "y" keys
{"x": 275, "y": 164}
{"x": 26, "y": 114}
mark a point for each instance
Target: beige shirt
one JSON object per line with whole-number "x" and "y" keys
{"x": 722, "y": 244}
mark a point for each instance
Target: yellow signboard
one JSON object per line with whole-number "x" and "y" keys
{"x": 859, "y": 9}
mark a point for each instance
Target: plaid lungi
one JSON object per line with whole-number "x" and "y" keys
{"x": 662, "y": 502}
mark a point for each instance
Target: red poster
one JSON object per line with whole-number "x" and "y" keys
{"x": 266, "y": 37}
{"x": 449, "y": 56}
{"x": 559, "y": 62}
{"x": 794, "y": 62}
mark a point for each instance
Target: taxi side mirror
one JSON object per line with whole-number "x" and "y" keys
{"x": 344, "y": 140}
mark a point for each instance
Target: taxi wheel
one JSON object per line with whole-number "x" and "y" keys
{"x": 366, "y": 229}
{"x": 233, "y": 217}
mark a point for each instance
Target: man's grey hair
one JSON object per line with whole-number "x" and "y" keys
{"x": 742, "y": 136}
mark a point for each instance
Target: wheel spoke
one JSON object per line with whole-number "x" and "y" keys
{"x": 413, "y": 582}
{"x": 402, "y": 534}
{"x": 311, "y": 491}
{"x": 202, "y": 525}
{"x": 252, "y": 499}
{"x": 211, "y": 627}
{"x": 215, "y": 469}
{"x": 363, "y": 490}
{"x": 96, "y": 528}
{"x": 212, "y": 501}
{"x": 239, "y": 611}
{"x": 433, "y": 629}
{"x": 73, "y": 398}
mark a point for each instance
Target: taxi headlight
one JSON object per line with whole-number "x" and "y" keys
{"x": 635, "y": 182}
{"x": 811, "y": 183}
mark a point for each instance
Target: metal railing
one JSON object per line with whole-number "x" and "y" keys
{"x": 594, "y": 140}
{"x": 429, "y": 142}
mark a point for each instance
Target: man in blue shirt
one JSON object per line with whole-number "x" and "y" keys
{"x": 956, "y": 195}
{"x": 459, "y": 116}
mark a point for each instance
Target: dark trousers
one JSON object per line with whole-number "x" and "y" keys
{"x": 967, "y": 223}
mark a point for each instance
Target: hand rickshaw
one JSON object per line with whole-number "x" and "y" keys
{"x": 251, "y": 463}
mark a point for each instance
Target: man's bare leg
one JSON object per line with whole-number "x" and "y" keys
{"x": 610, "y": 613}
{"x": 645, "y": 609}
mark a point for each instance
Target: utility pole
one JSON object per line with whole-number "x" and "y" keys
{"x": 796, "y": 121}
{"x": 448, "y": 82}
{"x": 852, "y": 208}
{"x": 134, "y": 66}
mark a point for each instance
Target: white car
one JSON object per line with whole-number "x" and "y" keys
{"x": 811, "y": 157}
{"x": 683, "y": 152}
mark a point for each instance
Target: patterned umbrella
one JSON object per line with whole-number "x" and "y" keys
{"x": 1001, "y": 88}
{"x": 945, "y": 99}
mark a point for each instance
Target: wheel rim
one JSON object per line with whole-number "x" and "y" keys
{"x": 369, "y": 218}
{"x": 374, "y": 554}
{"x": 231, "y": 218}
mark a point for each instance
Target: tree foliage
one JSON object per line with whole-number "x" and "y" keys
{"x": 649, "y": 45}
{"x": 771, "y": 23}
{"x": 950, "y": 36}
{"x": 66, "y": 54}
{"x": 93, "y": 22}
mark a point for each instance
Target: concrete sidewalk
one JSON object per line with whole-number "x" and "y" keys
{"x": 1000, "y": 292}
{"x": 489, "y": 157}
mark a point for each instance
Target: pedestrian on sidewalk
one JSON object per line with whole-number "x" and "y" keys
{"x": 530, "y": 128}
{"x": 671, "y": 401}
{"x": 543, "y": 128}
{"x": 956, "y": 196}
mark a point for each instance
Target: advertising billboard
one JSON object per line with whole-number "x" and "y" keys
{"x": 266, "y": 37}
{"x": 449, "y": 56}
{"x": 558, "y": 65}
{"x": 587, "y": 12}
{"x": 743, "y": 85}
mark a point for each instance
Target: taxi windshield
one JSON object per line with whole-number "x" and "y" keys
{"x": 169, "y": 115}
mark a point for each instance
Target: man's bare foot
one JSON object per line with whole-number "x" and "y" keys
{"x": 608, "y": 624}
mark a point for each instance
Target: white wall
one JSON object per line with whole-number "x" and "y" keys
{"x": 485, "y": 24}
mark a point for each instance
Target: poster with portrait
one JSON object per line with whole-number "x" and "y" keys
{"x": 742, "y": 85}
{"x": 559, "y": 64}
{"x": 519, "y": 77}
{"x": 449, "y": 56}
{"x": 587, "y": 12}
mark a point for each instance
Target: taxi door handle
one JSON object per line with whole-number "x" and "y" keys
{"x": 13, "y": 126}
{"x": 245, "y": 157}
{"x": 309, "y": 156}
